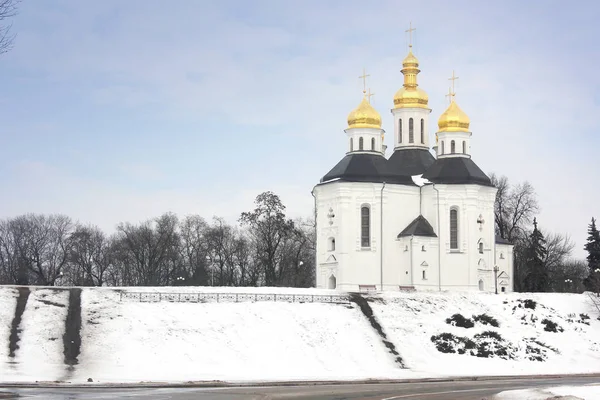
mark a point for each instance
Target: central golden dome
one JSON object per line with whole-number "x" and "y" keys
{"x": 454, "y": 119}
{"x": 409, "y": 95}
{"x": 364, "y": 116}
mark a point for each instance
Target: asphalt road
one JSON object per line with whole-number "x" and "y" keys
{"x": 463, "y": 390}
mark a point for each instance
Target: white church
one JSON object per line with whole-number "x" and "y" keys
{"x": 418, "y": 220}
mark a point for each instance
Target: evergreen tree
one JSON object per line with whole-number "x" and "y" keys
{"x": 593, "y": 248}
{"x": 537, "y": 277}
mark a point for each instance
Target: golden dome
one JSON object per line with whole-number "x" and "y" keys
{"x": 454, "y": 119}
{"x": 410, "y": 60}
{"x": 364, "y": 116}
{"x": 409, "y": 95}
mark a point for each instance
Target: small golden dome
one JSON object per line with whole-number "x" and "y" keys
{"x": 454, "y": 119}
{"x": 409, "y": 95}
{"x": 410, "y": 60}
{"x": 364, "y": 116}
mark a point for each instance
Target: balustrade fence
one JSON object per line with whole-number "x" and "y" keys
{"x": 156, "y": 297}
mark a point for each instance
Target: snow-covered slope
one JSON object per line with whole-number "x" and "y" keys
{"x": 129, "y": 341}
{"x": 411, "y": 320}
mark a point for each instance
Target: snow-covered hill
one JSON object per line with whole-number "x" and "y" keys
{"x": 388, "y": 336}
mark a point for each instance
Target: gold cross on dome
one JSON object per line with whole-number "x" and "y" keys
{"x": 410, "y": 30}
{"x": 454, "y": 78}
{"x": 449, "y": 95}
{"x": 369, "y": 95}
{"x": 364, "y": 78}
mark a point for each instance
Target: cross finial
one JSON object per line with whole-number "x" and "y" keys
{"x": 364, "y": 78}
{"x": 369, "y": 95}
{"x": 454, "y": 78}
{"x": 410, "y": 30}
{"x": 450, "y": 95}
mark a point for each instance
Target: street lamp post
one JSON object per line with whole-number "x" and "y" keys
{"x": 212, "y": 272}
{"x": 568, "y": 282}
{"x": 496, "y": 269}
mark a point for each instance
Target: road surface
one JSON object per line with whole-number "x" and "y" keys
{"x": 463, "y": 390}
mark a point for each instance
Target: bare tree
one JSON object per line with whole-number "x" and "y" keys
{"x": 8, "y": 9}
{"x": 569, "y": 276}
{"x": 194, "y": 250}
{"x": 40, "y": 247}
{"x": 221, "y": 244}
{"x": 90, "y": 255}
{"x": 269, "y": 227}
{"x": 514, "y": 208}
{"x": 11, "y": 270}
{"x": 559, "y": 248}
{"x": 148, "y": 253}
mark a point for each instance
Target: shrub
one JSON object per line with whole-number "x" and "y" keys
{"x": 449, "y": 343}
{"x": 486, "y": 320}
{"x": 551, "y": 326}
{"x": 489, "y": 334}
{"x": 528, "y": 303}
{"x": 460, "y": 321}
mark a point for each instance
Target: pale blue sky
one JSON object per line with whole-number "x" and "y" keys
{"x": 123, "y": 110}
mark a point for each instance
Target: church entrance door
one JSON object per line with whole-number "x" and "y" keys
{"x": 481, "y": 285}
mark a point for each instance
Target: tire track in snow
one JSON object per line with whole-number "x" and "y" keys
{"x": 72, "y": 335}
{"x": 13, "y": 340}
{"x": 366, "y": 309}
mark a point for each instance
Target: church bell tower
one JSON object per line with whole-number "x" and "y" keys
{"x": 411, "y": 110}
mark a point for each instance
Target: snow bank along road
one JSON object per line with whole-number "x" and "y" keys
{"x": 101, "y": 335}
{"x": 463, "y": 390}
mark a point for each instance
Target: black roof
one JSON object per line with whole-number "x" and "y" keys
{"x": 456, "y": 170}
{"x": 501, "y": 240}
{"x": 365, "y": 167}
{"x": 419, "y": 227}
{"x": 410, "y": 162}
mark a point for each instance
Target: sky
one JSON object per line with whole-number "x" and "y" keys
{"x": 123, "y": 110}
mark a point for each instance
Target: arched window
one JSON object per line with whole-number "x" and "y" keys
{"x": 424, "y": 275}
{"x": 332, "y": 282}
{"x": 422, "y": 131}
{"x": 454, "y": 229}
{"x": 351, "y": 144}
{"x": 360, "y": 143}
{"x": 411, "y": 131}
{"x": 423, "y": 248}
{"x": 481, "y": 285}
{"x": 331, "y": 244}
{"x": 400, "y": 130}
{"x": 442, "y": 147}
{"x": 480, "y": 246}
{"x": 372, "y": 143}
{"x": 365, "y": 226}
{"x": 452, "y": 147}
{"x": 464, "y": 147}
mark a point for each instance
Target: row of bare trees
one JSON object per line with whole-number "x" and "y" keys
{"x": 515, "y": 209}
{"x": 266, "y": 248}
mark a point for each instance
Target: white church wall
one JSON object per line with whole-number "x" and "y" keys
{"x": 421, "y": 268}
{"x": 361, "y": 265}
{"x": 504, "y": 261}
{"x": 460, "y": 266}
{"x": 401, "y": 207}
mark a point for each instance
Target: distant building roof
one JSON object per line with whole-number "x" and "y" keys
{"x": 501, "y": 240}
{"x": 419, "y": 227}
